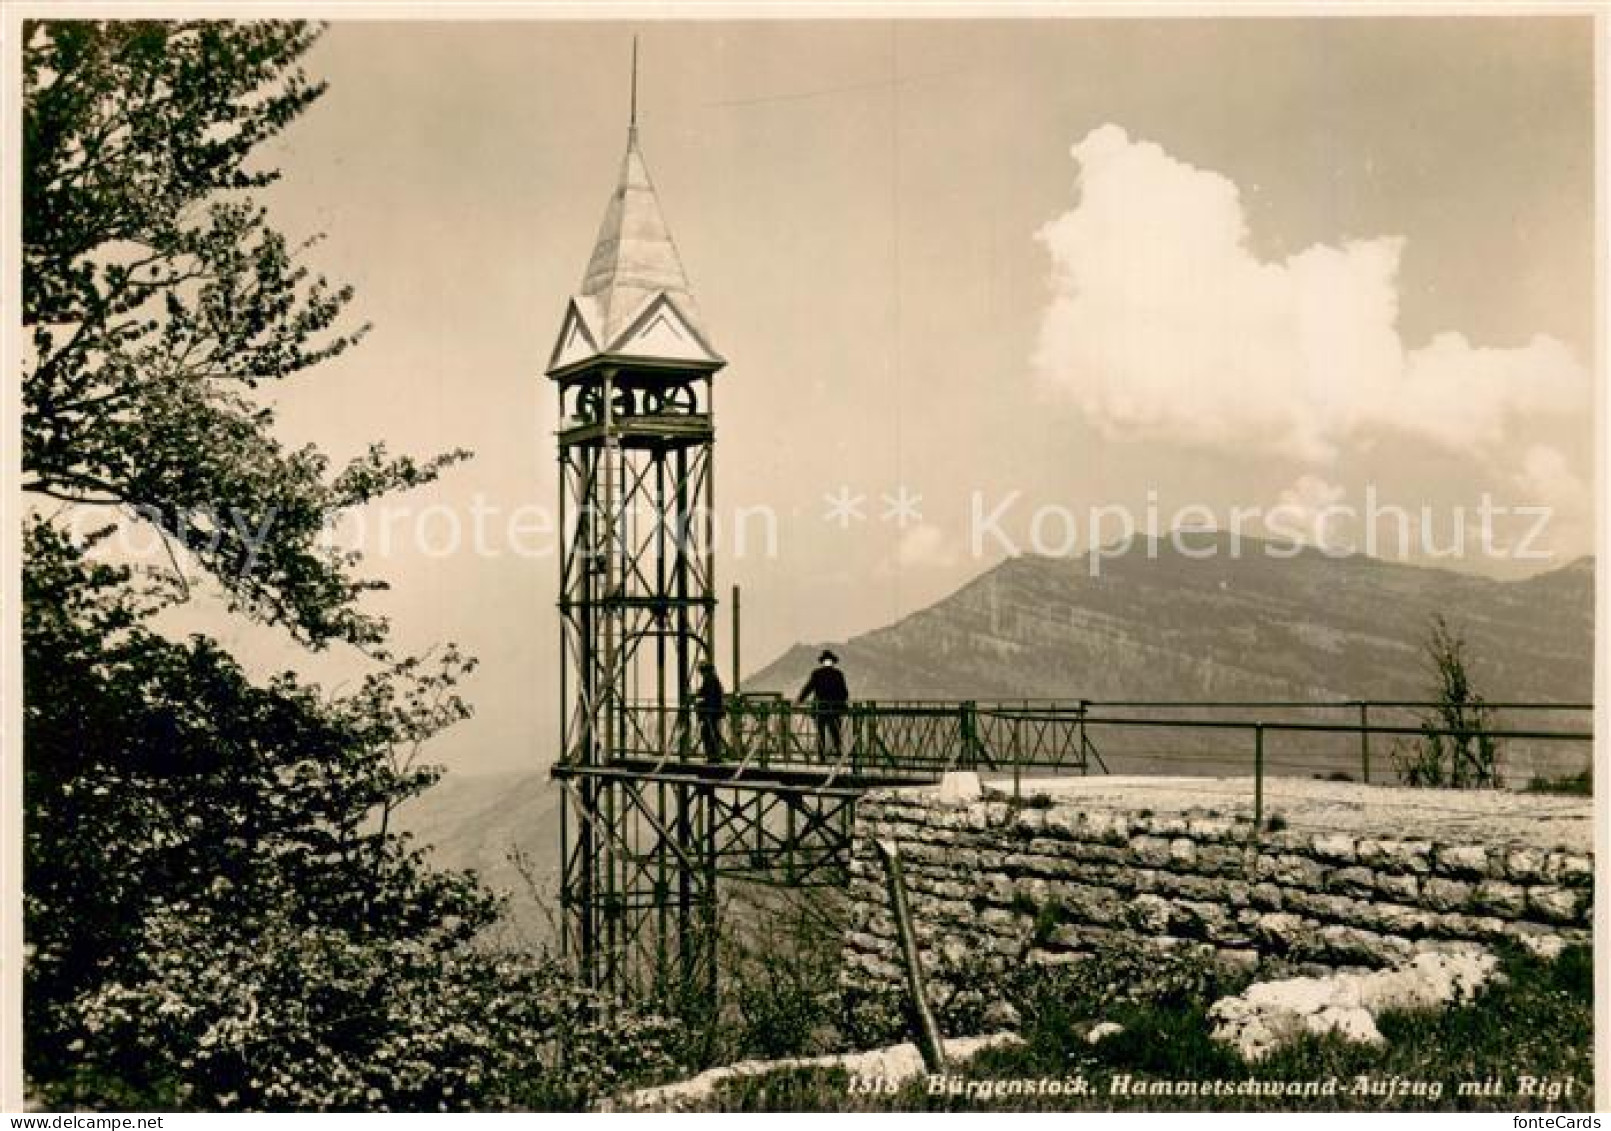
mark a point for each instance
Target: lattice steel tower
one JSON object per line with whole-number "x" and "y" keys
{"x": 634, "y": 368}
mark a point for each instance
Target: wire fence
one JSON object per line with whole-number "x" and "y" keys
{"x": 1367, "y": 741}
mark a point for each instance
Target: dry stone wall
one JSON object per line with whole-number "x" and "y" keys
{"x": 995, "y": 883}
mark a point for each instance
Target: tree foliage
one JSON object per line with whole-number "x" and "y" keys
{"x": 219, "y": 912}
{"x": 1457, "y": 749}
{"x": 179, "y": 813}
{"x": 157, "y": 298}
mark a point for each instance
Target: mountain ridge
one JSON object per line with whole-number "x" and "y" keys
{"x": 1158, "y": 624}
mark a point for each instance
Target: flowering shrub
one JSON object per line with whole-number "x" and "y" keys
{"x": 291, "y": 1017}
{"x": 217, "y": 914}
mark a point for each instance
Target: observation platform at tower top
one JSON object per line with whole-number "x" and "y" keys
{"x": 765, "y": 741}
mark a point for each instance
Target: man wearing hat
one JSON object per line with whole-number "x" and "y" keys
{"x": 708, "y": 702}
{"x": 827, "y": 688}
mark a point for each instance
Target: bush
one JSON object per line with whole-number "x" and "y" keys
{"x": 1467, "y": 758}
{"x": 1580, "y": 784}
{"x": 264, "y": 1013}
{"x": 781, "y": 962}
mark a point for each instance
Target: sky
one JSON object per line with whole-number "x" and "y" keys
{"x": 972, "y": 279}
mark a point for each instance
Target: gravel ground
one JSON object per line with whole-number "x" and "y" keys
{"x": 1539, "y": 820}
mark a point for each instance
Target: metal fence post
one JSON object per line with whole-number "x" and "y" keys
{"x": 861, "y": 723}
{"x": 970, "y": 741}
{"x": 1364, "y": 742}
{"x": 924, "y": 1027}
{"x": 1084, "y": 765}
{"x": 1258, "y": 777}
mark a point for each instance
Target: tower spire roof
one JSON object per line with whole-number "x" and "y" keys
{"x": 634, "y": 301}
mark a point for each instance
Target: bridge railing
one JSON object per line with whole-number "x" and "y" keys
{"x": 1342, "y": 739}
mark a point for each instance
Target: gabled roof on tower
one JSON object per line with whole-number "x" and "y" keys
{"x": 634, "y": 302}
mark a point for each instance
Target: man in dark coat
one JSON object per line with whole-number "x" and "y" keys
{"x": 709, "y": 704}
{"x": 828, "y": 690}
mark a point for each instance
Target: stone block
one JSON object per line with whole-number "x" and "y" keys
{"x": 1210, "y": 829}
{"x": 1104, "y": 827}
{"x": 1335, "y": 847}
{"x": 1267, "y": 895}
{"x": 1396, "y": 855}
{"x": 1398, "y": 885}
{"x": 1344, "y": 944}
{"x": 1031, "y": 889}
{"x": 1556, "y": 904}
{"x": 1201, "y": 920}
{"x": 1442, "y": 894}
{"x": 1089, "y": 904}
{"x": 1570, "y": 869}
{"x": 1281, "y": 931}
{"x": 1168, "y": 824}
{"x": 1450, "y": 925}
{"x": 1465, "y": 860}
{"x": 1221, "y": 859}
{"x": 876, "y": 969}
{"x": 1538, "y": 940}
{"x": 1054, "y": 959}
{"x": 1331, "y": 908}
{"x": 1088, "y": 853}
{"x": 1231, "y": 893}
{"x": 1526, "y": 865}
{"x": 1007, "y": 947}
{"x": 1068, "y": 936}
{"x": 1150, "y": 851}
{"x": 1501, "y": 898}
{"x": 1292, "y": 871}
{"x": 1032, "y": 864}
{"x": 997, "y": 919}
{"x": 1354, "y": 880}
{"x": 1397, "y": 919}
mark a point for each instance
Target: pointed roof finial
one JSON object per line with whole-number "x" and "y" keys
{"x": 634, "y": 301}
{"x": 632, "y": 123}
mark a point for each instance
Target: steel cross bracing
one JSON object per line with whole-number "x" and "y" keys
{"x": 664, "y": 839}
{"x": 659, "y": 826}
{"x": 637, "y": 608}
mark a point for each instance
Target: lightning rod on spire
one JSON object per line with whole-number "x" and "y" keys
{"x": 632, "y": 122}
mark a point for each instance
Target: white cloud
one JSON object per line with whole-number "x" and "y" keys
{"x": 925, "y": 546}
{"x": 1307, "y": 511}
{"x": 1163, "y": 325}
{"x": 1546, "y": 479}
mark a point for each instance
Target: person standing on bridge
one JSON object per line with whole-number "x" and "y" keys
{"x": 827, "y": 689}
{"x": 709, "y": 702}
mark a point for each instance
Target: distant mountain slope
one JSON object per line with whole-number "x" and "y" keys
{"x": 474, "y": 821}
{"x": 1249, "y": 627}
